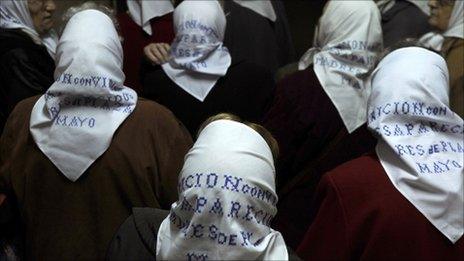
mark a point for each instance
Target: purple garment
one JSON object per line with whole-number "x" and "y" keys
{"x": 304, "y": 121}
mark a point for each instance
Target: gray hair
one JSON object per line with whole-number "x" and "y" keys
{"x": 90, "y": 5}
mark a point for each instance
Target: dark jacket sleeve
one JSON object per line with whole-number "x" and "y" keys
{"x": 21, "y": 79}
{"x": 136, "y": 238}
{"x": 326, "y": 238}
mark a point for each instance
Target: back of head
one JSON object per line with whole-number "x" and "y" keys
{"x": 90, "y": 38}
{"x": 88, "y": 101}
{"x": 227, "y": 199}
{"x": 420, "y": 140}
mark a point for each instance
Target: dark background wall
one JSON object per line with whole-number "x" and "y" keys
{"x": 302, "y": 16}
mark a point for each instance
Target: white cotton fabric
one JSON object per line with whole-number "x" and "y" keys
{"x": 74, "y": 122}
{"x": 423, "y": 161}
{"x": 455, "y": 29}
{"x": 347, "y": 42}
{"x": 261, "y": 7}
{"x": 14, "y": 14}
{"x": 198, "y": 57}
{"x": 224, "y": 148}
{"x": 142, "y": 11}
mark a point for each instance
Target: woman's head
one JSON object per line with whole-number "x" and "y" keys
{"x": 41, "y": 12}
{"x": 267, "y": 136}
{"x": 227, "y": 197}
{"x": 440, "y": 13}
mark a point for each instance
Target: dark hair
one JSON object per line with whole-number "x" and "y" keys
{"x": 267, "y": 136}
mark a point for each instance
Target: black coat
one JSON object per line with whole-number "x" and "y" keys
{"x": 403, "y": 20}
{"x": 26, "y": 70}
{"x": 246, "y": 91}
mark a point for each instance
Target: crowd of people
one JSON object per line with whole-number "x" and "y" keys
{"x": 188, "y": 130}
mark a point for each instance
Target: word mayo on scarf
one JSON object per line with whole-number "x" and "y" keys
{"x": 227, "y": 200}
{"x": 347, "y": 42}
{"x": 14, "y": 14}
{"x": 420, "y": 139}
{"x": 74, "y": 121}
{"x": 199, "y": 58}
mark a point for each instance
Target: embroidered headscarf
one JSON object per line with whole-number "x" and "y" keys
{"x": 347, "y": 42}
{"x": 420, "y": 140}
{"x": 227, "y": 200}
{"x": 14, "y": 14}
{"x": 199, "y": 58}
{"x": 142, "y": 11}
{"x": 74, "y": 122}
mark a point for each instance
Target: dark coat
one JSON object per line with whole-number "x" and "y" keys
{"x": 312, "y": 140}
{"x": 246, "y": 91}
{"x": 359, "y": 215}
{"x": 255, "y": 38}
{"x": 65, "y": 220}
{"x": 403, "y": 20}
{"x": 26, "y": 70}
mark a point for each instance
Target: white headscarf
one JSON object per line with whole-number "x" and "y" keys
{"x": 227, "y": 200}
{"x": 142, "y": 11}
{"x": 420, "y": 143}
{"x": 199, "y": 58}
{"x": 74, "y": 122}
{"x": 455, "y": 29}
{"x": 261, "y": 7}
{"x": 14, "y": 14}
{"x": 347, "y": 41}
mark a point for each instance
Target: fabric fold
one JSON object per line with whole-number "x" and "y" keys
{"x": 227, "y": 200}
{"x": 420, "y": 139}
{"x": 347, "y": 42}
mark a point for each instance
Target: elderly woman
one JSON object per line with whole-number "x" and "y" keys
{"x": 202, "y": 79}
{"x": 27, "y": 48}
{"x": 75, "y": 161}
{"x": 226, "y": 202}
{"x": 319, "y": 112}
{"x": 405, "y": 201}
{"x": 447, "y": 18}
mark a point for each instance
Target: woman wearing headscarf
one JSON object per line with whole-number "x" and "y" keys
{"x": 402, "y": 19}
{"x": 447, "y": 17}
{"x": 201, "y": 79}
{"x": 141, "y": 23}
{"x": 405, "y": 202}
{"x": 27, "y": 48}
{"x": 226, "y": 201}
{"x": 318, "y": 113}
{"x": 77, "y": 159}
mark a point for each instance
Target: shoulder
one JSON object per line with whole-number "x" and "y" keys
{"x": 23, "y": 109}
{"x": 359, "y": 175}
{"x": 147, "y": 109}
{"x": 16, "y": 42}
{"x": 136, "y": 237}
